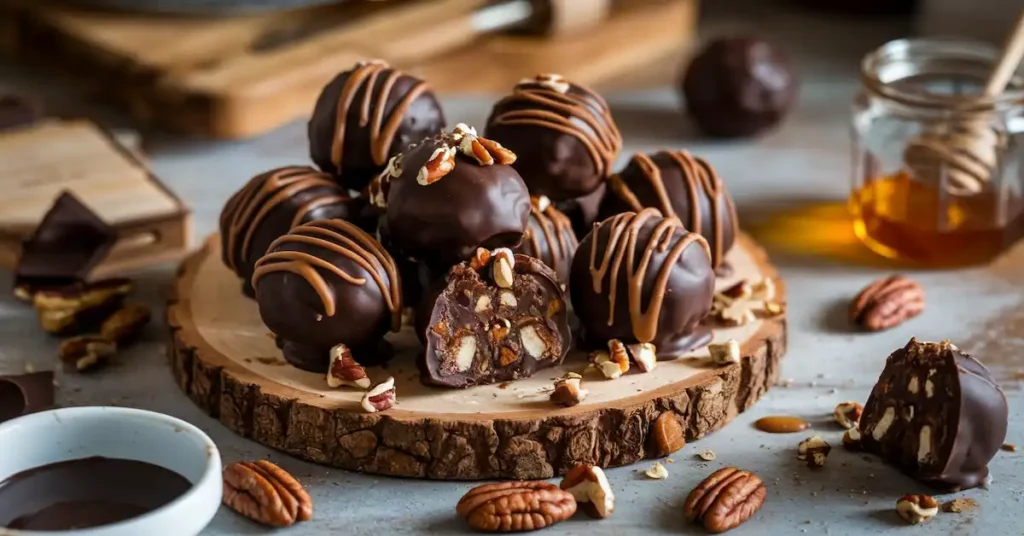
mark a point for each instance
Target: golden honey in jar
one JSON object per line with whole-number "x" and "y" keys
{"x": 938, "y": 169}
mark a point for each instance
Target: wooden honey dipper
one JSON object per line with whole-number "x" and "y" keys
{"x": 969, "y": 149}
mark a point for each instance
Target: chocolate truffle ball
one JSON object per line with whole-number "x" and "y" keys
{"x": 562, "y": 132}
{"x": 327, "y": 283}
{"x": 937, "y": 414}
{"x": 365, "y": 116}
{"x": 642, "y": 278}
{"x": 681, "y": 185}
{"x": 451, "y": 194}
{"x": 549, "y": 237}
{"x": 739, "y": 87}
{"x": 582, "y": 211}
{"x": 498, "y": 317}
{"x": 270, "y": 205}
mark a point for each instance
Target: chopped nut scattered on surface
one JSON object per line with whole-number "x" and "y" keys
{"x": 613, "y": 363}
{"x": 126, "y": 323}
{"x": 959, "y": 506}
{"x": 726, "y": 353}
{"x": 657, "y": 472}
{"x": 265, "y": 493}
{"x": 589, "y": 486}
{"x": 568, "y": 390}
{"x": 739, "y": 304}
{"x": 915, "y": 509}
{"x": 1009, "y": 447}
{"x": 707, "y": 455}
{"x": 725, "y": 499}
{"x": 344, "y": 370}
{"x": 87, "y": 352}
{"x": 851, "y": 439}
{"x": 814, "y": 450}
{"x": 645, "y": 355}
{"x": 380, "y": 398}
{"x": 847, "y": 414}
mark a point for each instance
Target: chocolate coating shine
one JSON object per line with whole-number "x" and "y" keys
{"x": 327, "y": 283}
{"x": 640, "y": 277}
{"x": 739, "y": 86}
{"x": 366, "y": 115}
{"x": 273, "y": 203}
{"x": 479, "y": 333}
{"x": 549, "y": 237}
{"x": 582, "y": 211}
{"x": 937, "y": 415}
{"x": 681, "y": 185}
{"x": 563, "y": 133}
{"x": 471, "y": 206}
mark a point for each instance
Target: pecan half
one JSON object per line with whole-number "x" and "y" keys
{"x": 74, "y": 309}
{"x": 265, "y": 493}
{"x": 87, "y": 352}
{"x": 516, "y": 506}
{"x": 441, "y": 163}
{"x": 126, "y": 323}
{"x": 667, "y": 434}
{"x": 380, "y": 398}
{"x": 887, "y": 303}
{"x": 345, "y": 370}
{"x": 725, "y": 499}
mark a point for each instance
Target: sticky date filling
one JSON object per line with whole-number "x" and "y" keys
{"x": 482, "y": 327}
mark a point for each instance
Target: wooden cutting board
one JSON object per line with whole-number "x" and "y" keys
{"x": 39, "y": 162}
{"x": 232, "y": 77}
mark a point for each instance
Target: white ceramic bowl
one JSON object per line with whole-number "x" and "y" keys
{"x": 131, "y": 434}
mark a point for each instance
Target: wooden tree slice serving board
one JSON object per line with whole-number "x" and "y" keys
{"x": 225, "y": 359}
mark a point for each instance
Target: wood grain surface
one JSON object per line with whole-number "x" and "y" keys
{"x": 226, "y": 361}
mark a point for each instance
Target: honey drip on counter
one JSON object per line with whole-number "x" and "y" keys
{"x": 781, "y": 424}
{"x": 902, "y": 218}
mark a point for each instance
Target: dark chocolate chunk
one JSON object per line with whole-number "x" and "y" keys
{"x": 451, "y": 194}
{"x": 582, "y": 211}
{"x": 563, "y": 133}
{"x": 739, "y": 86}
{"x": 681, "y": 185}
{"x": 327, "y": 283}
{"x": 65, "y": 247}
{"x": 22, "y": 394}
{"x": 273, "y": 203}
{"x": 17, "y": 110}
{"x": 549, "y": 237}
{"x": 936, "y": 414}
{"x": 365, "y": 116}
{"x": 495, "y": 322}
{"x": 643, "y": 278}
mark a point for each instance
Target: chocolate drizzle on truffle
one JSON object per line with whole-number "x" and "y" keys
{"x": 558, "y": 109}
{"x": 680, "y": 185}
{"x": 305, "y": 191}
{"x": 342, "y": 238}
{"x": 549, "y": 237}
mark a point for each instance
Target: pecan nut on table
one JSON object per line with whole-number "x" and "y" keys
{"x": 725, "y": 499}
{"x": 887, "y": 303}
{"x": 265, "y": 493}
{"x": 516, "y": 506}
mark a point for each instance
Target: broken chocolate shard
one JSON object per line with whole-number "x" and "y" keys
{"x": 68, "y": 244}
{"x": 936, "y": 414}
{"x": 480, "y": 330}
{"x": 22, "y": 394}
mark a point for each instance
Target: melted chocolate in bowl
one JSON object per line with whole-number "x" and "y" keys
{"x": 85, "y": 493}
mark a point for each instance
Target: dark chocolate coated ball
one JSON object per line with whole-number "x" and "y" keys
{"x": 328, "y": 283}
{"x": 443, "y": 204}
{"x": 677, "y": 184}
{"x": 549, "y": 237}
{"x": 271, "y": 204}
{"x": 384, "y": 111}
{"x": 563, "y": 134}
{"x": 739, "y": 86}
{"x": 619, "y": 292}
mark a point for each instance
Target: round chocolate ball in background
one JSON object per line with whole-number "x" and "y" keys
{"x": 656, "y": 292}
{"x": 563, "y": 134}
{"x": 451, "y": 194}
{"x": 549, "y": 237}
{"x": 739, "y": 86}
{"x": 327, "y": 283}
{"x": 582, "y": 211}
{"x": 681, "y": 185}
{"x": 271, "y": 204}
{"x": 382, "y": 112}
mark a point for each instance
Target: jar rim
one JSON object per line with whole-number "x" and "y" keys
{"x": 903, "y": 49}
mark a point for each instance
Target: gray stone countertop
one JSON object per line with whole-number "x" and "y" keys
{"x": 790, "y": 187}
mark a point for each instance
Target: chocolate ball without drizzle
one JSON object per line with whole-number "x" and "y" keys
{"x": 681, "y": 185}
{"x": 563, "y": 133}
{"x": 936, "y": 414}
{"x": 270, "y": 205}
{"x": 642, "y": 278}
{"x": 549, "y": 237}
{"x": 739, "y": 86}
{"x": 366, "y": 115}
{"x": 327, "y": 283}
{"x": 451, "y": 194}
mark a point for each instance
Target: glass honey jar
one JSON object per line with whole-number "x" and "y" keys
{"x": 938, "y": 167}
